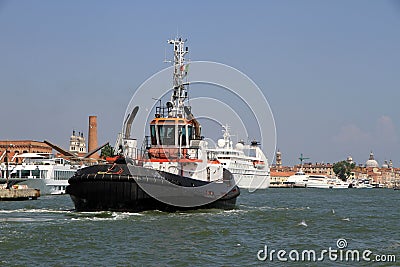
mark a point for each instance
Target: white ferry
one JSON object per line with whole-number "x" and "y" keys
{"x": 247, "y": 163}
{"x": 321, "y": 181}
{"x": 40, "y": 171}
{"x": 362, "y": 183}
{"x": 300, "y": 179}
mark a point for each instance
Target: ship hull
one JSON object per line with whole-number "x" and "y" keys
{"x": 139, "y": 189}
{"x": 252, "y": 181}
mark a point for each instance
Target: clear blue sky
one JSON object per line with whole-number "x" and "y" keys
{"x": 329, "y": 69}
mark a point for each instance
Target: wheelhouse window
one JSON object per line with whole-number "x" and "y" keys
{"x": 153, "y": 135}
{"x": 166, "y": 134}
{"x": 182, "y": 135}
{"x": 190, "y": 131}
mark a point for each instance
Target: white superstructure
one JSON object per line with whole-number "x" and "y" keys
{"x": 300, "y": 179}
{"x": 41, "y": 171}
{"x": 362, "y": 183}
{"x": 176, "y": 145}
{"x": 247, "y": 163}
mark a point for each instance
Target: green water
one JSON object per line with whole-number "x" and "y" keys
{"x": 47, "y": 232}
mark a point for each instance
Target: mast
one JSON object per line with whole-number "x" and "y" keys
{"x": 227, "y": 136}
{"x": 179, "y": 94}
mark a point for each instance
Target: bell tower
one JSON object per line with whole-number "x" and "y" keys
{"x": 278, "y": 159}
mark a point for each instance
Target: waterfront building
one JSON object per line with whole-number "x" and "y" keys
{"x": 279, "y": 173}
{"x": 317, "y": 168}
{"x": 10, "y": 149}
{"x": 279, "y": 178}
{"x": 380, "y": 176}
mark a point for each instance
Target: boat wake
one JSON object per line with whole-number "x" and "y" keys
{"x": 102, "y": 216}
{"x": 30, "y": 215}
{"x": 34, "y": 211}
{"x": 25, "y": 219}
{"x": 208, "y": 212}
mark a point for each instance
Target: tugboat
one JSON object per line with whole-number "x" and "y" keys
{"x": 174, "y": 171}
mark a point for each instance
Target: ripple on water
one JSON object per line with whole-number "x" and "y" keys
{"x": 202, "y": 237}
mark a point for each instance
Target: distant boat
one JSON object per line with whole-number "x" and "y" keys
{"x": 363, "y": 184}
{"x": 338, "y": 183}
{"x": 40, "y": 171}
{"x": 322, "y": 181}
{"x": 300, "y": 179}
{"x": 396, "y": 186}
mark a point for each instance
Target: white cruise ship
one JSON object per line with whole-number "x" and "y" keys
{"x": 247, "y": 163}
{"x": 40, "y": 171}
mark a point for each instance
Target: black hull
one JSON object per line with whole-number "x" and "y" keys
{"x": 91, "y": 189}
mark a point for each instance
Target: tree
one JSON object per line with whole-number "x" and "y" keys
{"x": 343, "y": 169}
{"x": 107, "y": 151}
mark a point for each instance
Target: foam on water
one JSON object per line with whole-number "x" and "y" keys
{"x": 303, "y": 223}
{"x": 103, "y": 216}
{"x": 35, "y": 211}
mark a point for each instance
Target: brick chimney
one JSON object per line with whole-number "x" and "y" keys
{"x": 93, "y": 135}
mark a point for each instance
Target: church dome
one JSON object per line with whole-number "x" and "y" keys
{"x": 385, "y": 165}
{"x": 371, "y": 162}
